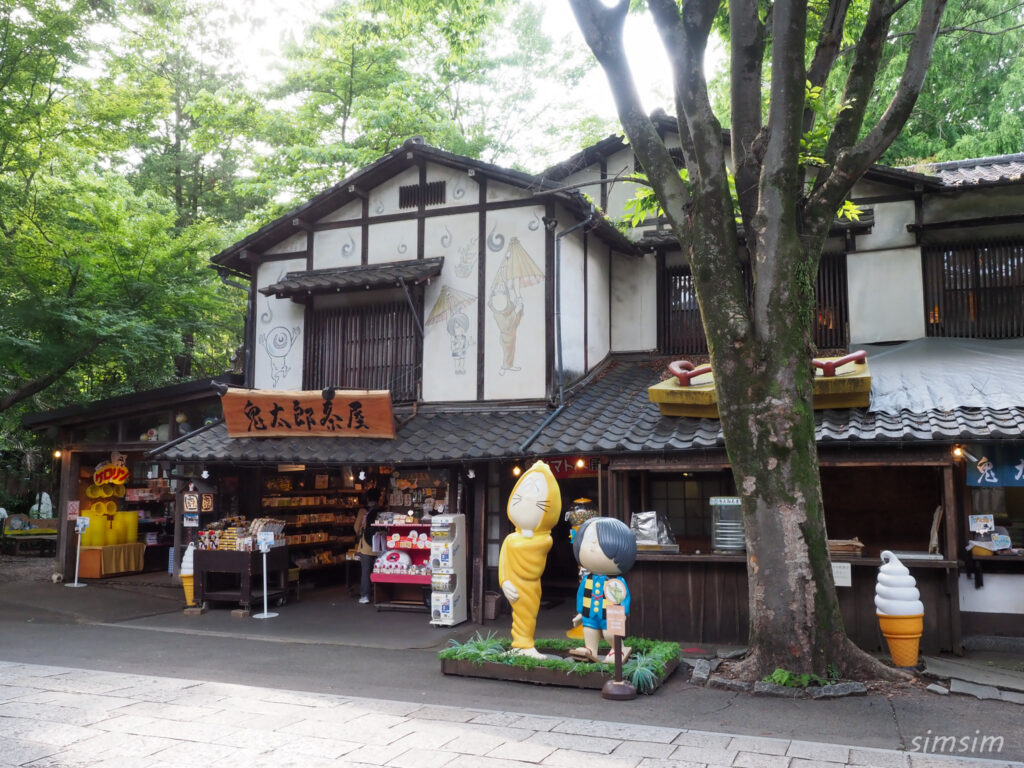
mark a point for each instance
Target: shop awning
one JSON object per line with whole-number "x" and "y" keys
{"x": 300, "y": 286}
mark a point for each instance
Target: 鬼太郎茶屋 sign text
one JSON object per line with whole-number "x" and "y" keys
{"x": 280, "y": 413}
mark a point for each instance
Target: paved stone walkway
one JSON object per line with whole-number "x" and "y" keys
{"x": 55, "y": 717}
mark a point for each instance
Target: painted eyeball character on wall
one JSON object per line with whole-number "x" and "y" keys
{"x": 278, "y": 342}
{"x": 534, "y": 508}
{"x": 605, "y": 548}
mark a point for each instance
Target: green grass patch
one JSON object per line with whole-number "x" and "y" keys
{"x": 645, "y": 668}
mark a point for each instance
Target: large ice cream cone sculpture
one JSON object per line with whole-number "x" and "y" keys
{"x": 900, "y": 610}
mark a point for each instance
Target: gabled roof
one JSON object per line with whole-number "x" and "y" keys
{"x": 385, "y": 168}
{"x": 301, "y": 285}
{"x": 996, "y": 170}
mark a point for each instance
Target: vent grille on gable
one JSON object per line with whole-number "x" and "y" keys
{"x": 414, "y": 195}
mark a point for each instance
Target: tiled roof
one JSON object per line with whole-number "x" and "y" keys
{"x": 302, "y": 284}
{"x": 613, "y": 415}
{"x": 1000, "y": 169}
{"x": 610, "y": 414}
{"x": 427, "y": 437}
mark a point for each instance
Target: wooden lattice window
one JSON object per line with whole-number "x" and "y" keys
{"x": 682, "y": 331}
{"x": 366, "y": 347}
{"x": 975, "y": 290}
{"x": 414, "y": 195}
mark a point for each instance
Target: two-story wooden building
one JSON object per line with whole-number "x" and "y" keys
{"x": 509, "y": 321}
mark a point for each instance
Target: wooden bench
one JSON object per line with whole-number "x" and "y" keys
{"x": 22, "y": 533}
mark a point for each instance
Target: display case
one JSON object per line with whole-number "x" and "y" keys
{"x": 401, "y": 574}
{"x": 236, "y": 576}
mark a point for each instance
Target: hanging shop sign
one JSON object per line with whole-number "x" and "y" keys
{"x": 994, "y": 466}
{"x": 113, "y": 472}
{"x": 280, "y": 413}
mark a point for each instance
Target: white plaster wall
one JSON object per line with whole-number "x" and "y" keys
{"x": 634, "y": 303}
{"x": 460, "y": 187}
{"x": 333, "y": 248}
{"x": 451, "y": 310}
{"x": 1002, "y": 593}
{"x": 890, "y": 227}
{"x": 621, "y": 163}
{"x": 391, "y": 241}
{"x": 508, "y": 231}
{"x": 598, "y": 314}
{"x": 352, "y": 210}
{"x": 886, "y": 295}
{"x": 572, "y": 304}
{"x": 293, "y": 244}
{"x": 498, "y": 192}
{"x": 279, "y": 331}
{"x": 384, "y": 198}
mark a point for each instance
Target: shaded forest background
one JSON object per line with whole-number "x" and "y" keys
{"x": 135, "y": 144}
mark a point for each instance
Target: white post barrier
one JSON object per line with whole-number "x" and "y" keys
{"x": 264, "y": 545}
{"x": 81, "y": 523}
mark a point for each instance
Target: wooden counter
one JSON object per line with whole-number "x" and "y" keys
{"x": 240, "y": 576}
{"x": 703, "y": 599}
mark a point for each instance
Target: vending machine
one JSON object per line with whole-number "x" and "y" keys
{"x": 448, "y": 570}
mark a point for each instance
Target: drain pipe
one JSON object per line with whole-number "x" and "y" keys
{"x": 558, "y": 327}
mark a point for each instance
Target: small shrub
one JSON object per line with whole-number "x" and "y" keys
{"x": 789, "y": 679}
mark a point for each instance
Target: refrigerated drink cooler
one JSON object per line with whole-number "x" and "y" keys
{"x": 448, "y": 570}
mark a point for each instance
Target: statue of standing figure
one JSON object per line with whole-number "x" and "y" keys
{"x": 534, "y": 508}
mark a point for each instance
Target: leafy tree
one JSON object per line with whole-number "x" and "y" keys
{"x": 370, "y": 74}
{"x": 761, "y": 351}
{"x": 187, "y": 121}
{"x": 979, "y": 46}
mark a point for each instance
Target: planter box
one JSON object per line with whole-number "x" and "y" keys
{"x": 493, "y": 670}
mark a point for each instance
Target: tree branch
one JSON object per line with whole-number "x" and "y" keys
{"x": 602, "y": 29}
{"x": 747, "y": 41}
{"x": 851, "y": 163}
{"x": 37, "y": 385}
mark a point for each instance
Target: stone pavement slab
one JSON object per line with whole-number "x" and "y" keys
{"x": 952, "y": 669}
{"x": 51, "y": 718}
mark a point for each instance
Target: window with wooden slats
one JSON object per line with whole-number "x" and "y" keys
{"x": 366, "y": 347}
{"x": 974, "y": 290}
{"x": 682, "y": 331}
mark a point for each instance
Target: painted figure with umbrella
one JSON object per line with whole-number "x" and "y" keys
{"x": 517, "y": 271}
{"x": 448, "y": 310}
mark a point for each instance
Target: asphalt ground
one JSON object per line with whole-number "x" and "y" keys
{"x": 326, "y": 643}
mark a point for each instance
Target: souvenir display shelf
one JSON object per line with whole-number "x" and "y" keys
{"x": 401, "y": 577}
{"x": 320, "y": 521}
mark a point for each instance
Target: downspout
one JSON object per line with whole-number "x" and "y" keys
{"x": 226, "y": 279}
{"x": 558, "y": 327}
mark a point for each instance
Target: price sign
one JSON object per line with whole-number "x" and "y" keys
{"x": 842, "y": 574}
{"x": 81, "y": 523}
{"x": 265, "y": 540}
{"x": 616, "y": 616}
{"x": 190, "y": 520}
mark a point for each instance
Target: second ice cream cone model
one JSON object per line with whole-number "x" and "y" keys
{"x": 900, "y": 610}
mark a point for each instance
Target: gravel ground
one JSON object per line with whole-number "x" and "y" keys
{"x": 26, "y": 568}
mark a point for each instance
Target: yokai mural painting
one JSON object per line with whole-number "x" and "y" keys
{"x": 505, "y": 298}
{"x": 448, "y": 311}
{"x": 278, "y": 357}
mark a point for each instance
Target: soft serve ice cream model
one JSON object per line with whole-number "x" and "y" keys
{"x": 900, "y": 610}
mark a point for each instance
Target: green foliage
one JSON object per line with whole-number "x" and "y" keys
{"x": 789, "y": 679}
{"x": 652, "y": 657}
{"x": 643, "y": 671}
